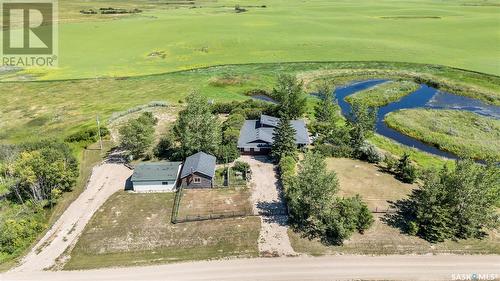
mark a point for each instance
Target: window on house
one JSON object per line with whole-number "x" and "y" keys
{"x": 164, "y": 183}
{"x": 197, "y": 180}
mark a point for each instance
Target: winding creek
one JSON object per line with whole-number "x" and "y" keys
{"x": 424, "y": 97}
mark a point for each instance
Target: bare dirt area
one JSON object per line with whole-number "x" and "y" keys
{"x": 106, "y": 179}
{"x": 267, "y": 198}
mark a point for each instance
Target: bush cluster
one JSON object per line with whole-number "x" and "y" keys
{"x": 87, "y": 136}
{"x": 313, "y": 206}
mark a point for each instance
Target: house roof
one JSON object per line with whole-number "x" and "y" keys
{"x": 201, "y": 163}
{"x": 252, "y": 133}
{"x": 269, "y": 120}
{"x": 156, "y": 171}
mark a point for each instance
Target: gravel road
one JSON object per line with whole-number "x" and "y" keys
{"x": 105, "y": 180}
{"x": 268, "y": 202}
{"x": 428, "y": 267}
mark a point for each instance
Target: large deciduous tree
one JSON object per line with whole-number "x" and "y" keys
{"x": 316, "y": 210}
{"x": 137, "y": 135}
{"x": 327, "y": 109}
{"x": 197, "y": 129}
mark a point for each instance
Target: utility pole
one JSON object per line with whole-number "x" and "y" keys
{"x": 99, "y": 132}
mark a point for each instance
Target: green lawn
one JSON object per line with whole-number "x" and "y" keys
{"x": 463, "y": 133}
{"x": 135, "y": 229}
{"x": 452, "y": 33}
{"x": 384, "y": 93}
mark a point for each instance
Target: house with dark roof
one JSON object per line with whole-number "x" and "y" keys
{"x": 156, "y": 177}
{"x": 198, "y": 171}
{"x": 256, "y": 136}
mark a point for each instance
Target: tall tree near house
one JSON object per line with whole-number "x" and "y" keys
{"x": 363, "y": 116}
{"x": 316, "y": 210}
{"x": 137, "y": 135}
{"x": 197, "y": 129}
{"x": 362, "y": 125}
{"x": 284, "y": 140}
{"x": 327, "y": 110}
{"x": 290, "y": 96}
{"x": 311, "y": 192}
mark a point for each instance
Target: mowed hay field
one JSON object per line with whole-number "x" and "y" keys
{"x": 203, "y": 33}
{"x": 135, "y": 229}
{"x": 376, "y": 188}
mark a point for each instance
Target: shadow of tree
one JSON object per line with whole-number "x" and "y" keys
{"x": 405, "y": 212}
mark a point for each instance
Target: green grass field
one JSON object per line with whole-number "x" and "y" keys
{"x": 384, "y": 94}
{"x": 463, "y": 133}
{"x": 57, "y": 108}
{"x": 460, "y": 33}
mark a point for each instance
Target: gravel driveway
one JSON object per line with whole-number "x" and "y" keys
{"x": 105, "y": 180}
{"x": 268, "y": 201}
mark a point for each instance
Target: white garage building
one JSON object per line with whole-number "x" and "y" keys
{"x": 156, "y": 176}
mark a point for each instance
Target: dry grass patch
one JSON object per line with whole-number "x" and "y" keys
{"x": 376, "y": 188}
{"x": 367, "y": 180}
{"x": 382, "y": 239}
{"x": 214, "y": 201}
{"x": 135, "y": 229}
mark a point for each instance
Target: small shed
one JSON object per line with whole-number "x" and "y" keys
{"x": 198, "y": 171}
{"x": 156, "y": 176}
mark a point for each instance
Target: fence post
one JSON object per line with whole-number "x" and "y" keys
{"x": 175, "y": 208}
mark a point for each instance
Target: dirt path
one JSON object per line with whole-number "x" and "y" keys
{"x": 428, "y": 267}
{"x": 268, "y": 202}
{"x": 106, "y": 179}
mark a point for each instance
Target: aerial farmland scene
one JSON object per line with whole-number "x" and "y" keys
{"x": 249, "y": 140}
